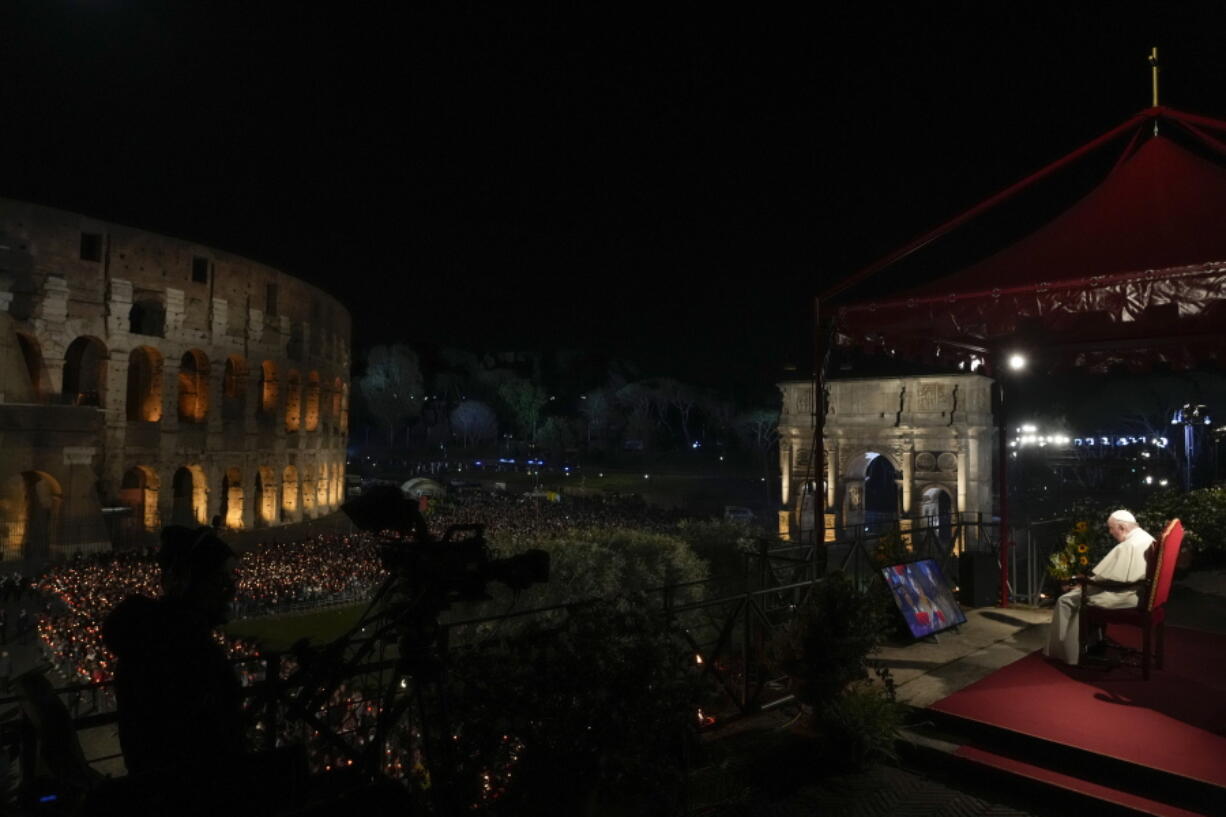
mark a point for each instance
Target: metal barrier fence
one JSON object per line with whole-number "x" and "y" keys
{"x": 31, "y": 544}
{"x": 251, "y": 610}
{"x": 1032, "y": 549}
{"x": 858, "y": 550}
{"x": 855, "y": 549}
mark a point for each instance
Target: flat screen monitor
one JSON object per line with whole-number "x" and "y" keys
{"x": 923, "y": 597}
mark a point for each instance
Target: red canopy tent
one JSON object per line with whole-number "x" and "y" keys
{"x": 1134, "y": 273}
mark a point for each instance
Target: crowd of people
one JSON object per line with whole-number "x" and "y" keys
{"x": 81, "y": 593}
{"x": 321, "y": 570}
{"x": 15, "y": 587}
{"x": 326, "y": 569}
{"x": 521, "y": 520}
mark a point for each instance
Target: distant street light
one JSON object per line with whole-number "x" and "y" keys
{"x": 1017, "y": 361}
{"x": 1190, "y": 416}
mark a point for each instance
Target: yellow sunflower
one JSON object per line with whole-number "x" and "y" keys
{"x": 1081, "y": 527}
{"x": 1083, "y": 560}
{"x": 1083, "y": 548}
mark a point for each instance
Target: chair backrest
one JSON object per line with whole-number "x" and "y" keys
{"x": 1164, "y": 564}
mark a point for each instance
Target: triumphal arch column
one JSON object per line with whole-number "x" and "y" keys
{"x": 918, "y": 449}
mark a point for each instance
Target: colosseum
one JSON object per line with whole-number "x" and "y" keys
{"x": 147, "y": 380}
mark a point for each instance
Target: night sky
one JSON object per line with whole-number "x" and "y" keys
{"x": 672, "y": 183}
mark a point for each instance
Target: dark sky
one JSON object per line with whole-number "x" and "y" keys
{"x": 671, "y": 183}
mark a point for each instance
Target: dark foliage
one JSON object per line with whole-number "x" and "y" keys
{"x": 604, "y": 706}
{"x": 826, "y": 646}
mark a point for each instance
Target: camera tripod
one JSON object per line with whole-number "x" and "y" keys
{"x": 411, "y": 735}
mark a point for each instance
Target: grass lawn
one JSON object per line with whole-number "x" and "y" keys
{"x": 596, "y": 479}
{"x": 704, "y": 494}
{"x": 279, "y": 632}
{"x": 620, "y": 482}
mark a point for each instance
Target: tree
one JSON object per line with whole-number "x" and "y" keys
{"x": 525, "y": 401}
{"x": 682, "y": 398}
{"x": 455, "y": 376}
{"x": 597, "y": 409}
{"x": 558, "y": 434}
{"x": 720, "y": 413}
{"x": 759, "y": 429}
{"x": 474, "y": 421}
{"x": 392, "y": 386}
{"x": 638, "y": 400}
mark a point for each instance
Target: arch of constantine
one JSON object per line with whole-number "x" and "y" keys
{"x": 147, "y": 380}
{"x": 916, "y": 448}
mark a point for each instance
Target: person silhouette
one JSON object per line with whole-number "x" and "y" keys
{"x": 179, "y": 699}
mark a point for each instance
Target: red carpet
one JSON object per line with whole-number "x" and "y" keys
{"x": 1175, "y": 722}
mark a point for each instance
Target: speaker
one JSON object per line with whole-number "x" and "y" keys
{"x": 978, "y": 579}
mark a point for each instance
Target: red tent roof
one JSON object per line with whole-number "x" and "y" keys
{"x": 1162, "y": 207}
{"x": 1135, "y": 269}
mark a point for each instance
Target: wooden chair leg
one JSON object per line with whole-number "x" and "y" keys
{"x": 1146, "y": 645}
{"x": 1161, "y": 651}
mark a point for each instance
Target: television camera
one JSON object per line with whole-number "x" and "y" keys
{"x": 425, "y": 577}
{"x": 456, "y": 568}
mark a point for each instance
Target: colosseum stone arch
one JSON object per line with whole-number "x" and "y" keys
{"x": 85, "y": 364}
{"x": 134, "y": 394}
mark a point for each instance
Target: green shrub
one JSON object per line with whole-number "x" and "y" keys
{"x": 890, "y": 548}
{"x": 825, "y": 647}
{"x": 604, "y": 705}
{"x": 723, "y": 545}
{"x": 1203, "y": 513}
{"x": 859, "y": 726}
{"x": 607, "y": 563}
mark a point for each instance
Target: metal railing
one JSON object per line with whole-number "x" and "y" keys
{"x": 1030, "y": 556}
{"x": 250, "y": 611}
{"x": 859, "y": 550}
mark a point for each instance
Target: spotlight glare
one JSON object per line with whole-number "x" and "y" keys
{"x": 1017, "y": 362}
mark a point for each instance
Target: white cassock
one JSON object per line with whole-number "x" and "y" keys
{"x": 1125, "y": 563}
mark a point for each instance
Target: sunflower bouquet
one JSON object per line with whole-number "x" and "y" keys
{"x": 1074, "y": 557}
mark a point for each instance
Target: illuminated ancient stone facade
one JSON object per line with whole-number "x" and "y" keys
{"x": 161, "y": 380}
{"x": 933, "y": 435}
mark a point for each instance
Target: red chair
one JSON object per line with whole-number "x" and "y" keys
{"x": 1150, "y": 612}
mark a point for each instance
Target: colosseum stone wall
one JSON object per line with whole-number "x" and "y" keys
{"x": 146, "y": 380}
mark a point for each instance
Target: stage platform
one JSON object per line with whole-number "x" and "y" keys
{"x": 1105, "y": 740}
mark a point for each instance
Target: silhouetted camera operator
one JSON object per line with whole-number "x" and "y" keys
{"x": 180, "y": 702}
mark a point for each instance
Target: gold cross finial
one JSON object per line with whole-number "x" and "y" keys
{"x": 1153, "y": 68}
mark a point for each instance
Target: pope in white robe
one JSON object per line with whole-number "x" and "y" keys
{"x": 1125, "y": 564}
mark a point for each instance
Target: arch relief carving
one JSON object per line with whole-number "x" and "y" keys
{"x": 929, "y": 436}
